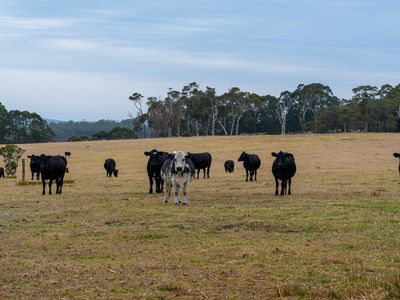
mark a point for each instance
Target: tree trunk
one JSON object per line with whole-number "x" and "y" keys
{"x": 223, "y": 127}
{"x": 237, "y": 124}
{"x": 233, "y": 124}
{"x": 197, "y": 128}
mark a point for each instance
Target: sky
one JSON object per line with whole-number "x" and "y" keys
{"x": 82, "y": 59}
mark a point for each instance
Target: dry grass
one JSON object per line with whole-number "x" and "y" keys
{"x": 336, "y": 237}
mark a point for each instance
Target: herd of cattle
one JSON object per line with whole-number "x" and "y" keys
{"x": 176, "y": 169}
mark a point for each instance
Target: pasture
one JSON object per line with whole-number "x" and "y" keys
{"x": 336, "y": 237}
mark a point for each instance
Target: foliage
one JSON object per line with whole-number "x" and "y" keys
{"x": 309, "y": 108}
{"x": 23, "y": 127}
{"x": 11, "y": 155}
{"x": 117, "y": 133}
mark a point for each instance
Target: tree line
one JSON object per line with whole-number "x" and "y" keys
{"x": 193, "y": 111}
{"x": 23, "y": 127}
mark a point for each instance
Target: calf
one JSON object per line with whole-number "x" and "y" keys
{"x": 251, "y": 162}
{"x": 229, "y": 166}
{"x": 397, "y": 154}
{"x": 202, "y": 161}
{"x": 1, "y": 172}
{"x": 52, "y": 168}
{"x": 154, "y": 164}
{"x": 109, "y": 165}
{"x": 35, "y": 166}
{"x": 283, "y": 168}
{"x": 177, "y": 171}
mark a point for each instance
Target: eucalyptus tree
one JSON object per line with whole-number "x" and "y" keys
{"x": 363, "y": 97}
{"x": 141, "y": 117}
{"x": 284, "y": 104}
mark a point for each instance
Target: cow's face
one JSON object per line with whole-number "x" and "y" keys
{"x": 154, "y": 155}
{"x": 280, "y": 158}
{"x": 243, "y": 156}
{"x": 179, "y": 158}
{"x": 42, "y": 162}
{"x": 35, "y": 160}
{"x": 396, "y": 154}
{"x": 115, "y": 172}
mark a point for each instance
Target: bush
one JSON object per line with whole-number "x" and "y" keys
{"x": 11, "y": 155}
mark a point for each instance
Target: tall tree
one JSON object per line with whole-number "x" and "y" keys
{"x": 136, "y": 98}
{"x": 284, "y": 103}
{"x": 363, "y": 97}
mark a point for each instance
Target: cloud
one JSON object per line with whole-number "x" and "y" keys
{"x": 25, "y": 23}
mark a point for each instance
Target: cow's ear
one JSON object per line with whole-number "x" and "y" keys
{"x": 274, "y": 154}
{"x": 48, "y": 156}
{"x": 147, "y": 153}
{"x": 188, "y": 155}
{"x": 29, "y": 156}
{"x": 394, "y": 154}
{"x": 289, "y": 154}
{"x": 171, "y": 155}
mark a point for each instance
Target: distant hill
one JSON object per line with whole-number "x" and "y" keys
{"x": 65, "y": 130}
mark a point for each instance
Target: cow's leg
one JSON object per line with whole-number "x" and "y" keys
{"x": 37, "y": 175}
{"x": 151, "y": 183}
{"x": 50, "y": 183}
{"x": 44, "y": 186}
{"x": 161, "y": 185}
{"x": 255, "y": 175}
{"x": 251, "y": 175}
{"x": 61, "y": 184}
{"x": 185, "y": 187}
{"x": 204, "y": 173}
{"x": 158, "y": 182}
{"x": 247, "y": 175}
{"x": 33, "y": 174}
{"x": 198, "y": 172}
{"x": 57, "y": 185}
{"x": 283, "y": 185}
{"x": 208, "y": 172}
{"x": 290, "y": 184}
{"x": 276, "y": 186}
{"x": 167, "y": 192}
{"x": 176, "y": 197}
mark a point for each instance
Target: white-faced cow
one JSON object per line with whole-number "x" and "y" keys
{"x": 202, "y": 161}
{"x": 110, "y": 167}
{"x": 397, "y": 154}
{"x": 34, "y": 165}
{"x": 251, "y": 162}
{"x": 52, "y": 168}
{"x": 177, "y": 171}
{"x": 283, "y": 168}
{"x": 229, "y": 166}
{"x": 154, "y": 164}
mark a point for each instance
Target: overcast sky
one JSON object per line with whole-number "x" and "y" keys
{"x": 75, "y": 59}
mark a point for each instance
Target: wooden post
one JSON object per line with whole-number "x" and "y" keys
{"x": 23, "y": 169}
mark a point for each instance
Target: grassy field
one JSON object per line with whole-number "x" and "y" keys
{"x": 336, "y": 237}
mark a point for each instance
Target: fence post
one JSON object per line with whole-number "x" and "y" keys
{"x": 23, "y": 169}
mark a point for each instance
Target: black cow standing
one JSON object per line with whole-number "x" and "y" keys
{"x": 1, "y": 172}
{"x": 251, "y": 162}
{"x": 229, "y": 166}
{"x": 201, "y": 161}
{"x": 52, "y": 168}
{"x": 154, "y": 165}
{"x": 35, "y": 165}
{"x": 397, "y": 154}
{"x": 109, "y": 165}
{"x": 283, "y": 168}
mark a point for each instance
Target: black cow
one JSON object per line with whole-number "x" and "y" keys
{"x": 397, "y": 154}
{"x": 1, "y": 172}
{"x": 52, "y": 168}
{"x": 251, "y": 162}
{"x": 201, "y": 161}
{"x": 154, "y": 165}
{"x": 229, "y": 166}
{"x": 109, "y": 165}
{"x": 35, "y": 165}
{"x": 283, "y": 169}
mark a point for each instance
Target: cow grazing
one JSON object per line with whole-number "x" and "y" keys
{"x": 283, "y": 168}
{"x": 1, "y": 172}
{"x": 397, "y": 154}
{"x": 229, "y": 166}
{"x": 202, "y": 161}
{"x": 154, "y": 164}
{"x": 109, "y": 165}
{"x": 52, "y": 168}
{"x": 251, "y": 162}
{"x": 177, "y": 171}
{"x": 67, "y": 153}
{"x": 35, "y": 165}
